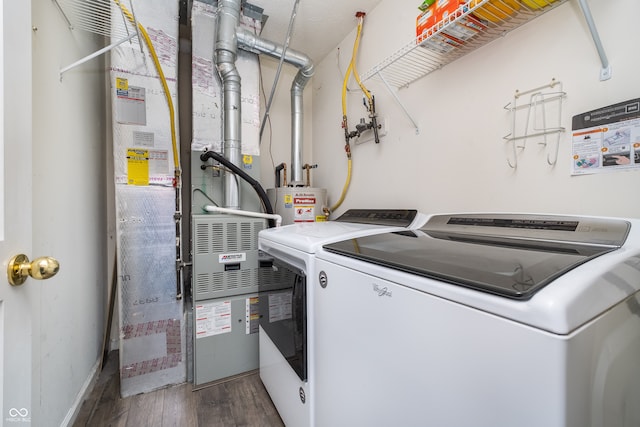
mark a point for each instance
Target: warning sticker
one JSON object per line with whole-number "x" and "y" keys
{"x": 137, "y": 166}
{"x": 303, "y": 214}
{"x": 252, "y": 315}
{"x": 213, "y": 319}
{"x": 288, "y": 201}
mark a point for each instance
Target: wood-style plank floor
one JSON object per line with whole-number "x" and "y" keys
{"x": 238, "y": 402}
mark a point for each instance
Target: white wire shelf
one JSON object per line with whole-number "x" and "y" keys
{"x": 103, "y": 17}
{"x": 98, "y": 17}
{"x": 425, "y": 53}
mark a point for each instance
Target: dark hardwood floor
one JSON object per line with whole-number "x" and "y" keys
{"x": 239, "y": 402}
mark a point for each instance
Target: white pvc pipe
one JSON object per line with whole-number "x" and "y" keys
{"x": 218, "y": 209}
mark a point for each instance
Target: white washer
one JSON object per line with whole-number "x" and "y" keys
{"x": 286, "y": 357}
{"x": 481, "y": 320}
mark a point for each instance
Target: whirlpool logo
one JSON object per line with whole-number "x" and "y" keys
{"x": 382, "y": 292}
{"x": 18, "y": 415}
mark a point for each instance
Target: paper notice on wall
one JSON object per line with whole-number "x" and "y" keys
{"x": 158, "y": 163}
{"x": 213, "y": 319}
{"x": 280, "y": 306}
{"x": 143, "y": 139}
{"x": 137, "y": 166}
{"x": 607, "y": 139}
{"x": 130, "y": 103}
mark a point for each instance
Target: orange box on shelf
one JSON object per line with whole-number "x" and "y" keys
{"x": 425, "y": 21}
{"x": 496, "y": 10}
{"x": 446, "y": 8}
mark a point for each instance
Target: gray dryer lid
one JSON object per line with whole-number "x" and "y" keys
{"x": 510, "y": 255}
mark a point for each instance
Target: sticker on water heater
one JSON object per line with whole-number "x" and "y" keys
{"x": 304, "y": 200}
{"x": 303, "y": 213}
{"x": 232, "y": 258}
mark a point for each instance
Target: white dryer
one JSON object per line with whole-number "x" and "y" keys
{"x": 482, "y": 320}
{"x": 286, "y": 334}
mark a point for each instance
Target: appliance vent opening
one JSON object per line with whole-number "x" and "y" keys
{"x": 217, "y": 233}
{"x": 232, "y": 237}
{"x": 202, "y": 239}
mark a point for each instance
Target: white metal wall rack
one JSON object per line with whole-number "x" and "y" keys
{"x": 422, "y": 55}
{"x": 542, "y": 115}
{"x": 103, "y": 17}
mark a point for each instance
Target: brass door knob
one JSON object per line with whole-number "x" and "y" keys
{"x": 20, "y": 268}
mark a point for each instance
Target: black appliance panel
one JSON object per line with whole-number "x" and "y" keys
{"x": 283, "y": 310}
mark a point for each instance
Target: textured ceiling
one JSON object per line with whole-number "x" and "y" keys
{"x": 320, "y": 25}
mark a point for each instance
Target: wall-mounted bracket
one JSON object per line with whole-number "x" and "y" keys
{"x": 536, "y": 112}
{"x": 395, "y": 96}
{"x": 605, "y": 72}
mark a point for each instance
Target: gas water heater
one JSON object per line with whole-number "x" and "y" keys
{"x": 298, "y": 204}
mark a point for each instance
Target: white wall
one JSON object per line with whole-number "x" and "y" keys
{"x": 458, "y": 161}
{"x": 69, "y": 203}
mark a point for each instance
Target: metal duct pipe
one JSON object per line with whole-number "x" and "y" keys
{"x": 225, "y": 58}
{"x": 253, "y": 43}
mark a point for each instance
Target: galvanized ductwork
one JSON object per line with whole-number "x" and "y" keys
{"x": 225, "y": 58}
{"x": 228, "y": 38}
{"x": 253, "y": 43}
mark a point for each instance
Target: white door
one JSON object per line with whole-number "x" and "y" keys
{"x": 16, "y": 302}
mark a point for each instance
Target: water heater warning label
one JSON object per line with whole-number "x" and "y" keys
{"x": 303, "y": 208}
{"x": 303, "y": 214}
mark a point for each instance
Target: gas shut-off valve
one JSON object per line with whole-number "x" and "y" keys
{"x": 373, "y": 124}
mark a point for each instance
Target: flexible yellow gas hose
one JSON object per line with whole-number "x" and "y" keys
{"x": 356, "y": 46}
{"x": 163, "y": 80}
{"x": 344, "y": 190}
{"x": 350, "y": 69}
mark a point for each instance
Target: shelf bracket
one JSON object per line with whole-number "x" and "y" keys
{"x": 64, "y": 15}
{"x": 395, "y": 96}
{"x": 95, "y": 54}
{"x": 605, "y": 72}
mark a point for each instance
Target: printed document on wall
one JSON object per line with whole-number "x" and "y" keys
{"x": 607, "y": 139}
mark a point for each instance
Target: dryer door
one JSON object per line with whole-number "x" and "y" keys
{"x": 283, "y": 311}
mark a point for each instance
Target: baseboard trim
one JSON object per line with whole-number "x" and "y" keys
{"x": 84, "y": 392}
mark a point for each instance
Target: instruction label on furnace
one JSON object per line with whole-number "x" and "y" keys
{"x": 252, "y": 315}
{"x": 213, "y": 319}
{"x": 130, "y": 103}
